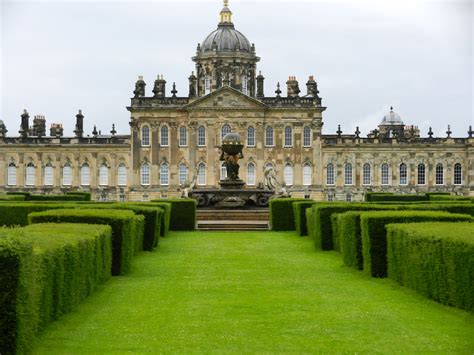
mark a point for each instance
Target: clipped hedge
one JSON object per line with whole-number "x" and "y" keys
{"x": 56, "y": 198}
{"x": 12, "y": 197}
{"x": 435, "y": 259}
{"x": 45, "y": 271}
{"x": 87, "y": 195}
{"x": 368, "y": 195}
{"x": 282, "y": 217}
{"x": 151, "y": 214}
{"x": 309, "y": 220}
{"x": 299, "y": 211}
{"x": 166, "y": 216}
{"x": 449, "y": 198}
{"x": 398, "y": 198}
{"x": 16, "y": 213}
{"x": 322, "y": 225}
{"x": 374, "y": 238}
{"x": 127, "y": 230}
{"x": 350, "y": 243}
{"x": 183, "y": 213}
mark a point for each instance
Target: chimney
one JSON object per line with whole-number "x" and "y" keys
{"x": 139, "y": 88}
{"x": 160, "y": 87}
{"x": 79, "y": 125}
{"x": 260, "y": 80}
{"x": 56, "y": 130}
{"x": 292, "y": 87}
{"x": 39, "y": 126}
{"x": 25, "y": 123}
{"x": 312, "y": 87}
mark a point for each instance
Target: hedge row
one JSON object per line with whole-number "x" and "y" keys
{"x": 309, "y": 221}
{"x": 12, "y": 197}
{"x": 450, "y": 198}
{"x": 369, "y": 195}
{"x": 435, "y": 259}
{"x": 16, "y": 213}
{"x": 87, "y": 195}
{"x": 299, "y": 211}
{"x": 69, "y": 196}
{"x": 374, "y": 238}
{"x": 183, "y": 213}
{"x": 127, "y": 230}
{"x": 282, "y": 217}
{"x": 45, "y": 271}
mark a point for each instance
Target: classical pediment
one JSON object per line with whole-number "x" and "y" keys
{"x": 226, "y": 98}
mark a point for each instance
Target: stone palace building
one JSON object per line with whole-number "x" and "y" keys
{"x": 174, "y": 139}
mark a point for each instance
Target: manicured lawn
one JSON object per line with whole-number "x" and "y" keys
{"x": 254, "y": 292}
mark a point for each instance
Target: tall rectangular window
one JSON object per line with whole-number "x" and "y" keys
{"x": 385, "y": 178}
{"x": 103, "y": 175}
{"x": 439, "y": 174}
{"x": 183, "y": 174}
{"x": 201, "y": 175}
{"x": 85, "y": 175}
{"x": 421, "y": 174}
{"x": 250, "y": 137}
{"x": 269, "y": 136}
{"x": 122, "y": 175}
{"x": 288, "y": 174}
{"x": 183, "y": 139}
{"x": 330, "y": 174}
{"x": 307, "y": 175}
{"x": 164, "y": 139}
{"x": 307, "y": 136}
{"x": 48, "y": 175}
{"x": 145, "y": 136}
{"x": 11, "y": 175}
{"x": 348, "y": 174}
{"x": 366, "y": 174}
{"x": 201, "y": 136}
{"x": 145, "y": 174}
{"x": 207, "y": 85}
{"x": 164, "y": 174}
{"x": 403, "y": 174}
{"x": 457, "y": 174}
{"x": 67, "y": 175}
{"x": 288, "y": 137}
{"x": 30, "y": 175}
{"x": 251, "y": 174}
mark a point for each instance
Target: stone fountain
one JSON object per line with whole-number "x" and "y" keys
{"x": 232, "y": 192}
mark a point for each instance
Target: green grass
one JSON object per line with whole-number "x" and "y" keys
{"x": 254, "y": 292}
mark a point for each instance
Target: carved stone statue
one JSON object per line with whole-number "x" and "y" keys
{"x": 269, "y": 174}
{"x": 187, "y": 187}
{"x": 230, "y": 154}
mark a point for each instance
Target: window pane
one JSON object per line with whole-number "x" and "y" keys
{"x": 201, "y": 139}
{"x": 288, "y": 136}
{"x": 457, "y": 174}
{"x": 103, "y": 175}
{"x": 403, "y": 174}
{"x": 67, "y": 175}
{"x": 307, "y": 136}
{"x": 348, "y": 174}
{"x": 223, "y": 171}
{"x": 250, "y": 136}
{"x": 183, "y": 139}
{"x": 366, "y": 174}
{"x": 11, "y": 174}
{"x": 85, "y": 175}
{"x": 307, "y": 175}
{"x": 122, "y": 175}
{"x": 385, "y": 174}
{"x": 288, "y": 174}
{"x": 269, "y": 136}
{"x": 183, "y": 174}
{"x": 251, "y": 174}
{"x": 439, "y": 174}
{"x": 48, "y": 175}
{"x": 164, "y": 174}
{"x": 201, "y": 178}
{"x": 30, "y": 175}
{"x": 421, "y": 174}
{"x": 164, "y": 136}
{"x": 145, "y": 136}
{"x": 145, "y": 174}
{"x": 330, "y": 174}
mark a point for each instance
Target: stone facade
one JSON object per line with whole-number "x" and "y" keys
{"x": 176, "y": 139}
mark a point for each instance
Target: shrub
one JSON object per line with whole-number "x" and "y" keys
{"x": 374, "y": 239}
{"x": 449, "y": 198}
{"x": 87, "y": 195}
{"x": 12, "y": 197}
{"x": 368, "y": 195}
{"x": 45, "y": 271}
{"x": 299, "y": 211}
{"x": 309, "y": 221}
{"x": 166, "y": 216}
{"x": 322, "y": 226}
{"x": 350, "y": 244}
{"x": 281, "y": 213}
{"x": 21, "y": 193}
{"x": 435, "y": 259}
{"x": 16, "y": 213}
{"x": 127, "y": 230}
{"x": 56, "y": 198}
{"x": 183, "y": 213}
{"x": 152, "y": 223}
{"x": 398, "y": 198}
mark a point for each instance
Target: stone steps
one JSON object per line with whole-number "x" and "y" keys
{"x": 229, "y": 220}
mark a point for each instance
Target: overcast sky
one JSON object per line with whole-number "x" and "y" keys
{"x": 60, "y": 56}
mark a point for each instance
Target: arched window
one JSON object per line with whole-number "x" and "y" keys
{"x": 288, "y": 139}
{"x": 348, "y": 174}
{"x": 288, "y": 174}
{"x": 207, "y": 85}
{"x": 104, "y": 175}
{"x": 201, "y": 136}
{"x": 225, "y": 130}
{"x": 183, "y": 137}
{"x": 122, "y": 175}
{"x": 384, "y": 172}
{"x": 457, "y": 174}
{"x": 164, "y": 174}
{"x": 67, "y": 175}
{"x": 164, "y": 141}
{"x": 330, "y": 174}
{"x": 403, "y": 172}
{"x": 439, "y": 174}
{"x": 30, "y": 179}
{"x": 201, "y": 176}
{"x": 145, "y": 174}
{"x": 307, "y": 136}
{"x": 307, "y": 174}
{"x": 269, "y": 136}
{"x": 421, "y": 174}
{"x": 250, "y": 137}
{"x": 11, "y": 174}
{"x": 145, "y": 136}
{"x": 366, "y": 174}
{"x": 223, "y": 171}
{"x": 245, "y": 84}
{"x": 85, "y": 175}
{"x": 48, "y": 175}
{"x": 251, "y": 174}
{"x": 183, "y": 173}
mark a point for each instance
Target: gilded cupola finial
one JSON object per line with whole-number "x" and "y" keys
{"x": 226, "y": 14}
